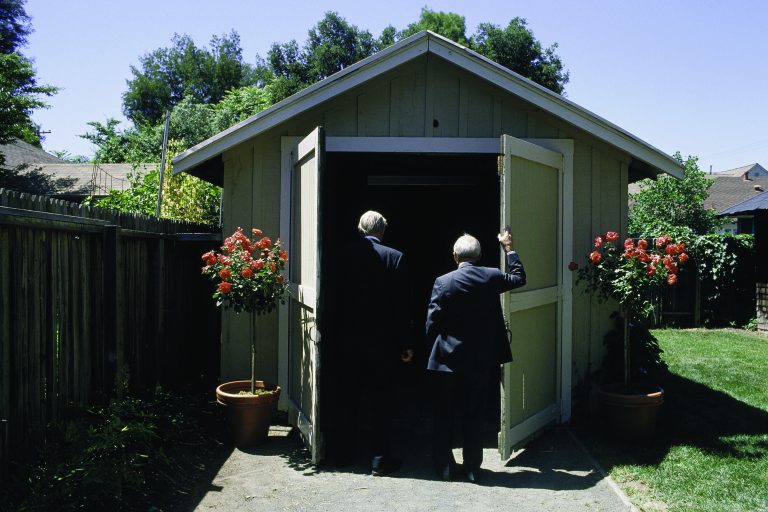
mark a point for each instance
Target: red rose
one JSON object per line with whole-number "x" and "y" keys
{"x": 224, "y": 260}
{"x": 272, "y": 266}
{"x": 265, "y": 243}
{"x": 672, "y": 268}
{"x": 225, "y": 287}
{"x": 611, "y": 236}
{"x": 225, "y": 273}
{"x": 573, "y": 266}
{"x": 655, "y": 258}
{"x": 683, "y": 257}
{"x": 642, "y": 244}
{"x": 595, "y": 257}
{"x": 680, "y": 248}
{"x": 650, "y": 270}
{"x": 670, "y": 249}
{"x": 256, "y": 232}
{"x": 671, "y": 279}
{"x": 662, "y": 241}
{"x": 258, "y": 264}
{"x": 209, "y": 258}
{"x": 629, "y": 243}
{"x": 643, "y": 256}
{"x": 284, "y": 255}
{"x": 598, "y": 241}
{"x": 246, "y": 272}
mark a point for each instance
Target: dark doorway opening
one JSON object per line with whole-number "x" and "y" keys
{"x": 428, "y": 201}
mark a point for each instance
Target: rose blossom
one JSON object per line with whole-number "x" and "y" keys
{"x": 246, "y": 272}
{"x": 642, "y": 244}
{"x": 258, "y": 264}
{"x": 595, "y": 257}
{"x": 683, "y": 257}
{"x": 256, "y": 232}
{"x": 265, "y": 243}
{"x": 629, "y": 243}
{"x": 611, "y": 236}
{"x": 598, "y": 241}
{"x": 650, "y": 270}
{"x": 573, "y": 266}
{"x": 671, "y": 279}
{"x": 284, "y": 255}
{"x": 225, "y": 273}
{"x": 225, "y": 287}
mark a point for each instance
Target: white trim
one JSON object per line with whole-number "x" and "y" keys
{"x": 478, "y": 145}
{"x": 533, "y": 424}
{"x": 520, "y": 148}
{"x": 533, "y": 298}
{"x": 402, "y": 52}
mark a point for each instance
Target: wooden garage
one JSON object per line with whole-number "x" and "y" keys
{"x": 442, "y": 141}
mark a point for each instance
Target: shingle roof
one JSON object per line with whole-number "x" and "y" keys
{"x": 729, "y": 190}
{"x": 758, "y": 202}
{"x": 752, "y": 169}
{"x": 19, "y": 152}
{"x": 89, "y": 179}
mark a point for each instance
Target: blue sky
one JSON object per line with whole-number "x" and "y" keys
{"x": 682, "y": 75}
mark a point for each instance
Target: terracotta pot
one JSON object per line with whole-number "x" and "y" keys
{"x": 631, "y": 414}
{"x": 248, "y": 416}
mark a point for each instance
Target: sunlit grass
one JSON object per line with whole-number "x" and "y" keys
{"x": 711, "y": 449}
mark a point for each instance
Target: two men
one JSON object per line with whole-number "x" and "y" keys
{"x": 464, "y": 321}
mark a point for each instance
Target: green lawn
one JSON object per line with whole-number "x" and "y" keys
{"x": 711, "y": 449}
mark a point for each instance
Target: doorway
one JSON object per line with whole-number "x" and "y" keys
{"x": 429, "y": 200}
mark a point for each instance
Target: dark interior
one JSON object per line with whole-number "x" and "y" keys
{"x": 428, "y": 201}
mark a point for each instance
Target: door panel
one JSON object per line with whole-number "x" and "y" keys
{"x": 531, "y": 205}
{"x": 299, "y": 336}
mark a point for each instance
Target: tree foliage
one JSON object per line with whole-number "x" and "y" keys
{"x": 447, "y": 24}
{"x": 669, "y": 204}
{"x": 168, "y": 75}
{"x": 20, "y": 92}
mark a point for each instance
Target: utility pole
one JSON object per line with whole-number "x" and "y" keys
{"x": 162, "y": 164}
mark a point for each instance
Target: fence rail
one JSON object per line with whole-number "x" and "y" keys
{"x": 90, "y": 298}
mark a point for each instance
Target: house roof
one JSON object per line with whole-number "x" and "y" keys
{"x": 19, "y": 153}
{"x": 753, "y": 170}
{"x": 194, "y": 159}
{"x": 727, "y": 191}
{"x": 88, "y": 178}
{"x": 758, "y": 202}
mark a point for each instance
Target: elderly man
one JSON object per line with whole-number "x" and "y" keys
{"x": 376, "y": 338}
{"x": 467, "y": 326}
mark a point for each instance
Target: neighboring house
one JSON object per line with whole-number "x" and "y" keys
{"x": 735, "y": 186}
{"x": 757, "y": 209}
{"x": 442, "y": 141}
{"x": 30, "y": 169}
{"x": 729, "y": 188}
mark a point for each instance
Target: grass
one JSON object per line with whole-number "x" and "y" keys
{"x": 711, "y": 448}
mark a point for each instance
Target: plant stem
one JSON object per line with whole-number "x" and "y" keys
{"x": 626, "y": 349}
{"x": 253, "y": 354}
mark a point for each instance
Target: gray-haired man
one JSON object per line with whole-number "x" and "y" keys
{"x": 466, "y": 323}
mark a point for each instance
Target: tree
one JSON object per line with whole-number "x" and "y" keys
{"x": 134, "y": 145}
{"x": 168, "y": 75}
{"x": 20, "y": 93}
{"x": 516, "y": 48}
{"x": 447, "y": 24}
{"x": 669, "y": 204}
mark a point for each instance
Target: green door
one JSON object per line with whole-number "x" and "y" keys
{"x": 531, "y": 205}
{"x": 299, "y": 336}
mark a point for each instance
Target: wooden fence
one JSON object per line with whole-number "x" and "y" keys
{"x": 92, "y": 299}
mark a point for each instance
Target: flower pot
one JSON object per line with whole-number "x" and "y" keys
{"x": 248, "y": 416}
{"x": 631, "y": 414}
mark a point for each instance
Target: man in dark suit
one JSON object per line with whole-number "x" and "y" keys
{"x": 467, "y": 325}
{"x": 376, "y": 338}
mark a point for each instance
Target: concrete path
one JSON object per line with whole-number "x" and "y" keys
{"x": 552, "y": 474}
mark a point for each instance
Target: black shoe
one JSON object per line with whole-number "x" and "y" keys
{"x": 381, "y": 466}
{"x": 472, "y": 474}
{"x": 447, "y": 472}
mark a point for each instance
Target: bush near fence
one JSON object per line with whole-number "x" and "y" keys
{"x": 91, "y": 300}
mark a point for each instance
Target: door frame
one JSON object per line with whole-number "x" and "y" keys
{"x": 457, "y": 145}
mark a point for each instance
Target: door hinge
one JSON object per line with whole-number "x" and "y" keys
{"x": 500, "y": 165}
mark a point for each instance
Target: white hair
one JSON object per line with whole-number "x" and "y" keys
{"x": 467, "y": 248}
{"x": 372, "y": 222}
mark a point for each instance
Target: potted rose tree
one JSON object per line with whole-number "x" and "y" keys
{"x": 248, "y": 278}
{"x": 633, "y": 276}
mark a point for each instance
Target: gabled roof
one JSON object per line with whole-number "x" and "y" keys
{"x": 751, "y": 205}
{"x": 408, "y": 49}
{"x": 87, "y": 179}
{"x": 754, "y": 170}
{"x": 730, "y": 190}
{"x": 19, "y": 153}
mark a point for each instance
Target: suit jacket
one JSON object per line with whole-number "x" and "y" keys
{"x": 465, "y": 320}
{"x": 376, "y": 301}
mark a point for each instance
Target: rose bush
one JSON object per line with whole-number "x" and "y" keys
{"x": 247, "y": 272}
{"x": 248, "y": 277}
{"x": 633, "y": 274}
